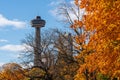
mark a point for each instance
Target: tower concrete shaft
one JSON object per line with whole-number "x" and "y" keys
{"x": 37, "y": 48}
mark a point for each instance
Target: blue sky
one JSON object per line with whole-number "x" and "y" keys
{"x": 15, "y": 16}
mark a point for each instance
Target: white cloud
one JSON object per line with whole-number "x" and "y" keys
{"x": 1, "y": 63}
{"x": 14, "y": 48}
{"x": 15, "y": 23}
{"x": 55, "y": 11}
{"x": 3, "y": 40}
{"x": 56, "y": 2}
{"x": 59, "y": 10}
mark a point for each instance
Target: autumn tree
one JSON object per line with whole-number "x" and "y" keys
{"x": 11, "y": 71}
{"x": 101, "y": 19}
{"x": 66, "y": 65}
{"x": 73, "y": 16}
{"x": 48, "y": 55}
{"x": 57, "y": 56}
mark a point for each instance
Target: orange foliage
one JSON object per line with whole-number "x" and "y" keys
{"x": 102, "y": 19}
{"x": 11, "y": 71}
{"x": 77, "y": 24}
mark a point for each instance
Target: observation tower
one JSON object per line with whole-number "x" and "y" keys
{"x": 37, "y": 23}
